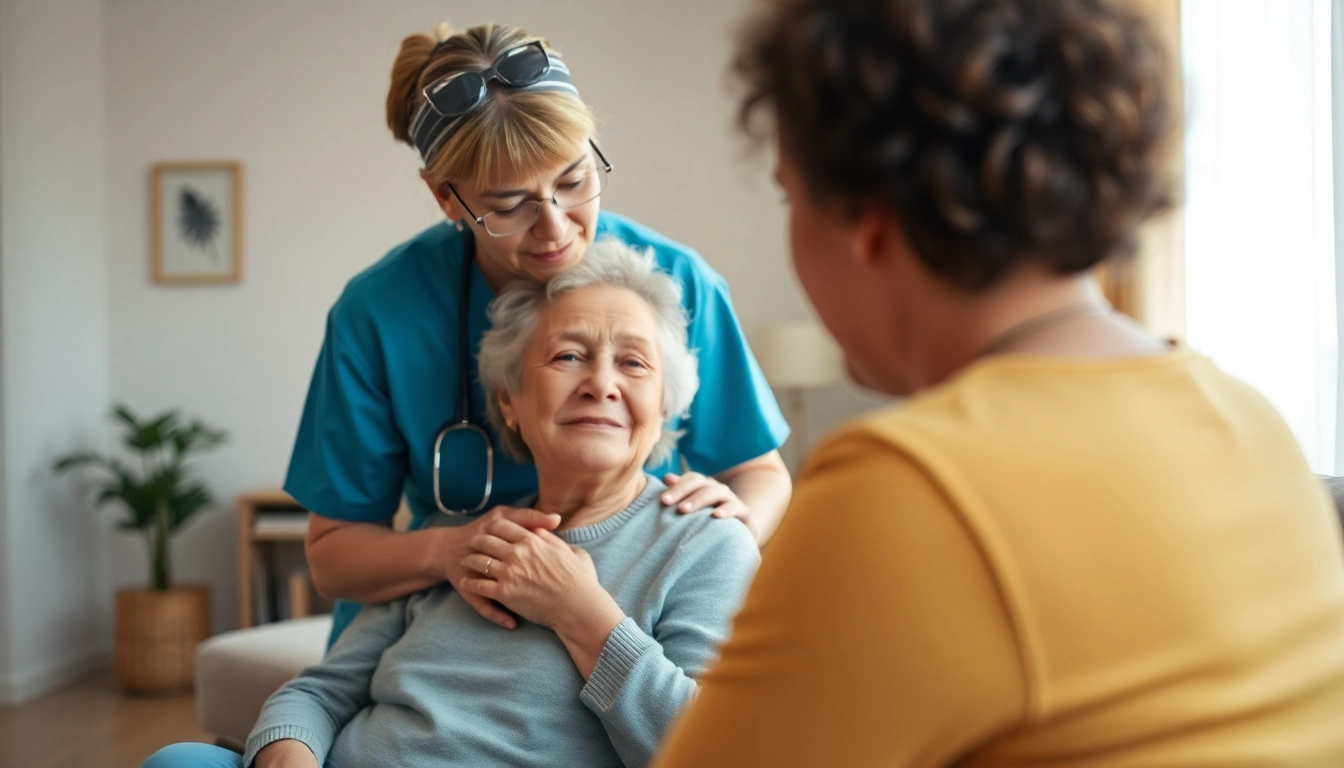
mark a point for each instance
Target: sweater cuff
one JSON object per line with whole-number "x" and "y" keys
{"x": 623, "y": 649}
{"x": 275, "y": 733}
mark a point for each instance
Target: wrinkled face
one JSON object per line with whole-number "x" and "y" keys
{"x": 554, "y": 243}
{"x": 590, "y": 398}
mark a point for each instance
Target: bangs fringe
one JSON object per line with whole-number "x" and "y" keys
{"x": 536, "y": 132}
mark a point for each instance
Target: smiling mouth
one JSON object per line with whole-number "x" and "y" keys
{"x": 593, "y": 422}
{"x": 556, "y": 255}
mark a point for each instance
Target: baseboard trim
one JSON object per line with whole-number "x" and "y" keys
{"x": 26, "y": 686}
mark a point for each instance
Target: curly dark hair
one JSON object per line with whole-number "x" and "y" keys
{"x": 998, "y": 131}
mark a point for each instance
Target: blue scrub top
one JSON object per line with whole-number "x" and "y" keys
{"x": 386, "y": 383}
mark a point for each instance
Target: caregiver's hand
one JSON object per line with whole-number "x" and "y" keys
{"x": 693, "y": 491}
{"x": 538, "y": 576}
{"x": 458, "y": 546}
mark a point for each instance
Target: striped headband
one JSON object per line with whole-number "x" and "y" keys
{"x": 435, "y": 121}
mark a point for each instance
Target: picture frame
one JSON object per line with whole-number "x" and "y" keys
{"x": 196, "y": 222}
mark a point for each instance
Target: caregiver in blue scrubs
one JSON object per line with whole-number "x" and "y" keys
{"x": 511, "y": 155}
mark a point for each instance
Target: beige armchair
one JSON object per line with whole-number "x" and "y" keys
{"x": 237, "y": 671}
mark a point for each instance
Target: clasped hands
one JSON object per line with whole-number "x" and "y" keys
{"x": 510, "y": 560}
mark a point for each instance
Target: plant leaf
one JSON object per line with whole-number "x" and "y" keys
{"x": 139, "y": 497}
{"x": 169, "y": 486}
{"x": 124, "y": 414}
{"x": 108, "y": 495}
{"x": 153, "y": 435}
{"x": 197, "y": 437}
{"x": 188, "y": 501}
{"x": 83, "y": 458}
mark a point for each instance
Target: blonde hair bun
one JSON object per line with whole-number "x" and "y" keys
{"x": 536, "y": 130}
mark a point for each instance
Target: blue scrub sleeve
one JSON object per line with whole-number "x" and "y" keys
{"x": 349, "y": 460}
{"x": 734, "y": 417}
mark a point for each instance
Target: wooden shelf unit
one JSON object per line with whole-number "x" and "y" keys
{"x": 252, "y": 553}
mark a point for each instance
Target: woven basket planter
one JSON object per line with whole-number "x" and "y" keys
{"x": 156, "y": 638}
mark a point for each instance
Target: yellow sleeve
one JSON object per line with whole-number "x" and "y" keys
{"x": 874, "y": 633}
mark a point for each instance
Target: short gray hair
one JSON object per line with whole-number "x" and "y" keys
{"x": 607, "y": 263}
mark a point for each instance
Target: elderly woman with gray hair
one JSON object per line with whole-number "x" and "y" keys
{"x": 621, "y": 607}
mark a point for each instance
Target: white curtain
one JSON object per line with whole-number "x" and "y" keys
{"x": 1260, "y": 210}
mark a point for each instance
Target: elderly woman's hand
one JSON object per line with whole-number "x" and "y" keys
{"x": 457, "y": 546}
{"x": 541, "y": 578}
{"x": 693, "y": 491}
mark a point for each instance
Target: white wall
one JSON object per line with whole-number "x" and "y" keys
{"x": 1337, "y": 116}
{"x": 54, "y": 599}
{"x": 295, "y": 91}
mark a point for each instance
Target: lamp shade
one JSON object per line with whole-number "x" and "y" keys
{"x": 798, "y": 355}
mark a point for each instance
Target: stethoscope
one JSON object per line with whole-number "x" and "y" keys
{"x": 462, "y": 412}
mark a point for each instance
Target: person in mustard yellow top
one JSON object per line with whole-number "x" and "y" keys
{"x": 1074, "y": 544}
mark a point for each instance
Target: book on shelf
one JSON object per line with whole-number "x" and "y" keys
{"x": 300, "y": 594}
{"x": 280, "y": 522}
{"x": 281, "y": 604}
{"x": 282, "y": 589}
{"x": 261, "y": 597}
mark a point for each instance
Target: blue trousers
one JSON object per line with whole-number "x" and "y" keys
{"x": 194, "y": 755}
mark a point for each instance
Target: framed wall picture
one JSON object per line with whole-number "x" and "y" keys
{"x": 196, "y": 222}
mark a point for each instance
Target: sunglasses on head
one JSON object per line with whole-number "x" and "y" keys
{"x": 517, "y": 68}
{"x": 449, "y": 101}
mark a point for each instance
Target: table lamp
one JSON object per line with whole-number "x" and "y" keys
{"x": 797, "y": 356}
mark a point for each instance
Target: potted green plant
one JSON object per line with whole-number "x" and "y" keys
{"x": 157, "y": 628}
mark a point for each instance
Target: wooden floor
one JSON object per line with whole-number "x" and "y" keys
{"x": 91, "y": 724}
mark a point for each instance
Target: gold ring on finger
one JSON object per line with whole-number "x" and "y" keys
{"x": 488, "y": 561}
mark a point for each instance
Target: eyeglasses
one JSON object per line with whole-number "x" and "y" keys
{"x": 517, "y": 68}
{"x": 580, "y": 186}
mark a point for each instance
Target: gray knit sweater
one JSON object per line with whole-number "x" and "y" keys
{"x": 425, "y": 681}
